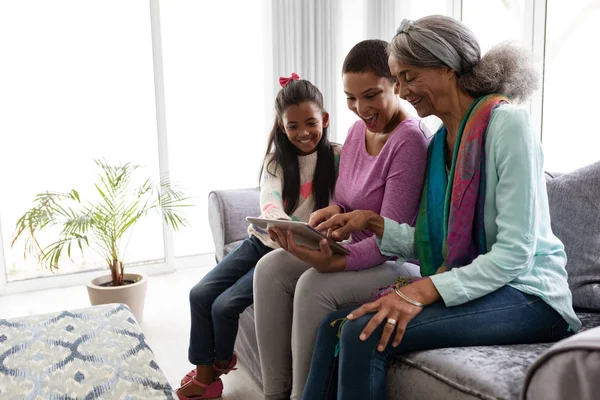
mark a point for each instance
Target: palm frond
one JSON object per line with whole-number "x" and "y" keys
{"x": 99, "y": 225}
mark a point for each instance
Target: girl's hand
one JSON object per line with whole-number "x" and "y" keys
{"x": 340, "y": 226}
{"x": 323, "y": 214}
{"x": 322, "y": 260}
{"x": 388, "y": 306}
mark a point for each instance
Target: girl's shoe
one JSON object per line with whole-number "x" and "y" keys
{"x": 227, "y": 369}
{"x": 212, "y": 391}
{"x": 218, "y": 371}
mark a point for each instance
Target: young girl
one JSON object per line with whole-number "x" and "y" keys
{"x": 382, "y": 167}
{"x": 297, "y": 177}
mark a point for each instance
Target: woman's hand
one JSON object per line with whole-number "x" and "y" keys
{"x": 340, "y": 226}
{"x": 323, "y": 214}
{"x": 323, "y": 260}
{"x": 396, "y": 308}
{"x": 388, "y": 306}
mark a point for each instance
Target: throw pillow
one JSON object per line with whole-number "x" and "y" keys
{"x": 574, "y": 200}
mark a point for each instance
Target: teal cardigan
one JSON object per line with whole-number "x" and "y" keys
{"x": 522, "y": 251}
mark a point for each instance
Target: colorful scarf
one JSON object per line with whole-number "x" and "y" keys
{"x": 450, "y": 228}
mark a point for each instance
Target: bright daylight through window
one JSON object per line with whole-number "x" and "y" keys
{"x": 73, "y": 91}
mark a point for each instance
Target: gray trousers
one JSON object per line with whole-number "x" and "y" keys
{"x": 290, "y": 301}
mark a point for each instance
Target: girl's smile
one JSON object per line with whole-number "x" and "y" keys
{"x": 303, "y": 124}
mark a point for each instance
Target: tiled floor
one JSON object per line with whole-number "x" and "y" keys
{"x": 166, "y": 323}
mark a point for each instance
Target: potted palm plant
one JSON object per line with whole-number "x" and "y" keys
{"x": 100, "y": 225}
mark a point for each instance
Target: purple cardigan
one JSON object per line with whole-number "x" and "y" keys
{"x": 389, "y": 184}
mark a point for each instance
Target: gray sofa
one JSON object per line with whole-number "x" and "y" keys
{"x": 492, "y": 372}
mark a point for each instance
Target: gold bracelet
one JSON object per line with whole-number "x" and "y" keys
{"x": 408, "y": 299}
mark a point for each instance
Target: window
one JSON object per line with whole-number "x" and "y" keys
{"x": 79, "y": 85}
{"x": 570, "y": 137}
{"x": 496, "y": 21}
{"x": 418, "y": 9}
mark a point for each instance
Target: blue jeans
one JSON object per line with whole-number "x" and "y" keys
{"x": 506, "y": 316}
{"x": 217, "y": 301}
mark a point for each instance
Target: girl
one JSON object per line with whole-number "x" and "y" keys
{"x": 382, "y": 167}
{"x": 297, "y": 177}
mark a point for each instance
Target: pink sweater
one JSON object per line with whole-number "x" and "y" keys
{"x": 389, "y": 184}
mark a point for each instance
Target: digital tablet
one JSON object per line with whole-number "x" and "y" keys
{"x": 304, "y": 234}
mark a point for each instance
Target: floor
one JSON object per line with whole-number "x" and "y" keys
{"x": 166, "y": 323}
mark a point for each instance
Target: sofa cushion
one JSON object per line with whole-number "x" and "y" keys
{"x": 575, "y": 215}
{"x": 246, "y": 347}
{"x": 227, "y": 212}
{"x": 479, "y": 372}
{"x": 568, "y": 370}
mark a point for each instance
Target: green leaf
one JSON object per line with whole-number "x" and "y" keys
{"x": 98, "y": 224}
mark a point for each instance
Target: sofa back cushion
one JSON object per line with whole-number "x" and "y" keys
{"x": 574, "y": 200}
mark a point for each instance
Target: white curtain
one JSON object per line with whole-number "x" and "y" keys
{"x": 306, "y": 37}
{"x": 382, "y": 17}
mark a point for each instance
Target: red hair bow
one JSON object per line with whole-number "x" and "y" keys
{"x": 284, "y": 81}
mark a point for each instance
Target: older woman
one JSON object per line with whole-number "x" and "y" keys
{"x": 493, "y": 272}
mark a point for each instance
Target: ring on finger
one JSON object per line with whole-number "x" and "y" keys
{"x": 391, "y": 321}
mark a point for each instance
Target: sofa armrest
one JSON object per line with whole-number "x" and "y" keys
{"x": 227, "y": 212}
{"x": 568, "y": 370}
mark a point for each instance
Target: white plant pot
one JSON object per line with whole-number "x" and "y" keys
{"x": 134, "y": 294}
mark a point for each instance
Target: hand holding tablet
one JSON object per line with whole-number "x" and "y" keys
{"x": 304, "y": 234}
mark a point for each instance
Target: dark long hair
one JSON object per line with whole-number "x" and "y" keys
{"x": 285, "y": 154}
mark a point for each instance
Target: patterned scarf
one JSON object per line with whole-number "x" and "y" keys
{"x": 450, "y": 228}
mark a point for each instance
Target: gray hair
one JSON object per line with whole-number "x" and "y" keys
{"x": 506, "y": 69}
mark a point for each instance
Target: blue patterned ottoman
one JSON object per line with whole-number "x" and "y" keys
{"x": 92, "y": 353}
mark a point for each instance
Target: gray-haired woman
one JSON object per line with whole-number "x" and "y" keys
{"x": 493, "y": 272}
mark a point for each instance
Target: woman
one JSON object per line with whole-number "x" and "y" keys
{"x": 382, "y": 167}
{"x": 493, "y": 272}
